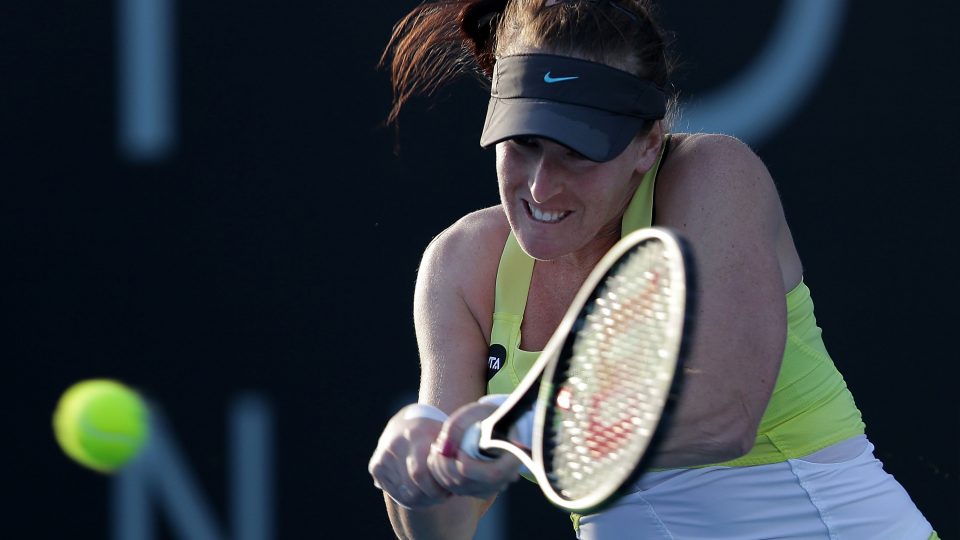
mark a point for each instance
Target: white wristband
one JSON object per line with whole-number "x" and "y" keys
{"x": 422, "y": 410}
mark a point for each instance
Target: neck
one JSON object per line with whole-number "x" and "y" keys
{"x": 583, "y": 260}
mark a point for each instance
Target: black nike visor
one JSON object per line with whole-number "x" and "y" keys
{"x": 591, "y": 108}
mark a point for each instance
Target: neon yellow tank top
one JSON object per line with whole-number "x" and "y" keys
{"x": 810, "y": 409}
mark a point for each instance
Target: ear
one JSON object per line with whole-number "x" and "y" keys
{"x": 648, "y": 148}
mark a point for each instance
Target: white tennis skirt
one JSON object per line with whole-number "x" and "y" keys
{"x": 839, "y": 493}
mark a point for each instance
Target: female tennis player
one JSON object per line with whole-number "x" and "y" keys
{"x": 766, "y": 440}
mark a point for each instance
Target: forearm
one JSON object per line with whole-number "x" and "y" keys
{"x": 454, "y": 519}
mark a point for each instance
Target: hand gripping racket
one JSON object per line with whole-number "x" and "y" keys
{"x": 603, "y": 385}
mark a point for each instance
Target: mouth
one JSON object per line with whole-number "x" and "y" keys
{"x": 545, "y": 216}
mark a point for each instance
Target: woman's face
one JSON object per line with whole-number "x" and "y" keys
{"x": 560, "y": 203}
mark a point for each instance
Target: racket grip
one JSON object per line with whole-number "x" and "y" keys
{"x": 470, "y": 443}
{"x": 522, "y": 432}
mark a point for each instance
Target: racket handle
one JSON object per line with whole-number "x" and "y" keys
{"x": 521, "y": 433}
{"x": 470, "y": 443}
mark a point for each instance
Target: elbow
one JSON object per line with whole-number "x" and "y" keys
{"x": 732, "y": 444}
{"x": 742, "y": 442}
{"x": 743, "y": 426}
{"x": 705, "y": 448}
{"x": 742, "y": 433}
{"x": 736, "y": 440}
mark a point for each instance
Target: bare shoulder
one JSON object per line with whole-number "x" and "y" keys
{"x": 453, "y": 307}
{"x": 704, "y": 171}
{"x": 463, "y": 260}
{"x": 470, "y": 245}
{"x": 715, "y": 158}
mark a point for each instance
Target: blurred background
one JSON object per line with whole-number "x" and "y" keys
{"x": 200, "y": 199}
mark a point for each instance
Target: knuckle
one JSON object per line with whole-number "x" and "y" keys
{"x": 421, "y": 480}
{"x": 396, "y": 447}
{"x": 421, "y": 476}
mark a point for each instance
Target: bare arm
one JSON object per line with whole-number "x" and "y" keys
{"x": 718, "y": 194}
{"x": 457, "y": 273}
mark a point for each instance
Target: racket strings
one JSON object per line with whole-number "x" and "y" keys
{"x": 609, "y": 401}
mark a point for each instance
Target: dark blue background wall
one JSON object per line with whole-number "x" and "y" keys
{"x": 274, "y": 250}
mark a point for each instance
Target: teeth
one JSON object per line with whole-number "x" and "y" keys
{"x": 549, "y": 217}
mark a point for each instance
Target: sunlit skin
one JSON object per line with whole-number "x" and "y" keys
{"x": 566, "y": 211}
{"x": 580, "y": 202}
{"x": 747, "y": 264}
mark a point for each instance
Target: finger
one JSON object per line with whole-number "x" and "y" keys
{"x": 442, "y": 470}
{"x": 402, "y": 495}
{"x": 448, "y": 441}
{"x": 422, "y": 477}
{"x": 501, "y": 471}
{"x": 410, "y": 496}
{"x": 464, "y": 475}
{"x": 403, "y": 475}
{"x": 401, "y": 492}
{"x": 384, "y": 470}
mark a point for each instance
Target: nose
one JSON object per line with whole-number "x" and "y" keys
{"x": 544, "y": 184}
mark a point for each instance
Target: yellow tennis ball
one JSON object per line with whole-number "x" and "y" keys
{"x": 101, "y": 424}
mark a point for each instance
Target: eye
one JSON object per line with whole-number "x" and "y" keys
{"x": 573, "y": 154}
{"x": 526, "y": 142}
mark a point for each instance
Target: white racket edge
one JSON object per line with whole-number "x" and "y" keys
{"x": 521, "y": 433}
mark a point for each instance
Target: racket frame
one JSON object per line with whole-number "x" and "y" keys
{"x": 535, "y": 387}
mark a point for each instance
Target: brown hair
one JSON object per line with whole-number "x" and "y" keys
{"x": 440, "y": 40}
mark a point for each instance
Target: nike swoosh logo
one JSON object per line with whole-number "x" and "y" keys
{"x": 550, "y": 80}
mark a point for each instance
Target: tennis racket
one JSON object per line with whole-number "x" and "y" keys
{"x": 599, "y": 394}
